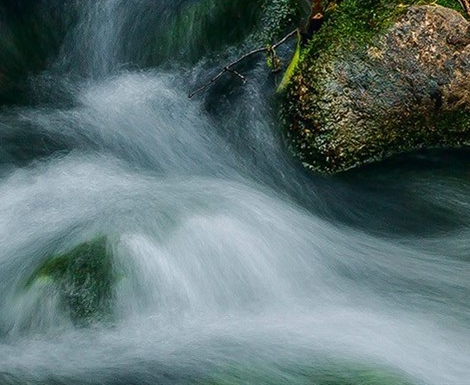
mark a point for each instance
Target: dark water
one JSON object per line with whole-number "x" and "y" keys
{"x": 236, "y": 265}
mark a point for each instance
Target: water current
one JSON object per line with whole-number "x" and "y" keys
{"x": 236, "y": 265}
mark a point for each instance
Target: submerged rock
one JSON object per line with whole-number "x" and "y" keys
{"x": 85, "y": 280}
{"x": 367, "y": 96}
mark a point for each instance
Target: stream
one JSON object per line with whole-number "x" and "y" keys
{"x": 236, "y": 265}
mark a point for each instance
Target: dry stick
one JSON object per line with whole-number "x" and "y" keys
{"x": 228, "y": 68}
{"x": 243, "y": 79}
{"x": 466, "y": 6}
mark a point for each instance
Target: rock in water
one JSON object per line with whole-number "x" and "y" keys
{"x": 85, "y": 280}
{"x": 407, "y": 88}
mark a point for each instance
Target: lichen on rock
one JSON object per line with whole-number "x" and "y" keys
{"x": 394, "y": 84}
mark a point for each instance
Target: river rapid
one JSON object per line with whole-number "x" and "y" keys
{"x": 237, "y": 265}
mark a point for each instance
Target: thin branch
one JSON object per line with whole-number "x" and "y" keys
{"x": 242, "y": 78}
{"x": 225, "y": 69}
{"x": 284, "y": 39}
{"x": 466, "y": 6}
{"x": 228, "y": 68}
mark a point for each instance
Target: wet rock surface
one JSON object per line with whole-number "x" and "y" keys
{"x": 406, "y": 89}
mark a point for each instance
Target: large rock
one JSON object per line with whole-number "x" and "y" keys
{"x": 405, "y": 89}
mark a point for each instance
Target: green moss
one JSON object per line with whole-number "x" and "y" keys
{"x": 344, "y": 48}
{"x": 85, "y": 278}
{"x": 277, "y": 17}
{"x": 291, "y": 68}
{"x": 358, "y": 21}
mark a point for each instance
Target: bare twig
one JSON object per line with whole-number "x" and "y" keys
{"x": 228, "y": 68}
{"x": 284, "y": 39}
{"x": 466, "y": 6}
{"x": 243, "y": 79}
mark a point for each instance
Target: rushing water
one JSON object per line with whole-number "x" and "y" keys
{"x": 237, "y": 266}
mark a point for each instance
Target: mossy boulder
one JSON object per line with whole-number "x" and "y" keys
{"x": 381, "y": 78}
{"x": 84, "y": 278}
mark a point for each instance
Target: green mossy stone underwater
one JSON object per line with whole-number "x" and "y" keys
{"x": 85, "y": 278}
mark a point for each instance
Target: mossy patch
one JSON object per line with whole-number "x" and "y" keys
{"x": 277, "y": 17}
{"x": 85, "y": 278}
{"x": 359, "y": 21}
{"x": 376, "y": 81}
{"x": 291, "y": 67}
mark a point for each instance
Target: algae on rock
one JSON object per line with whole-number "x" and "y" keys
{"x": 380, "y": 78}
{"x": 84, "y": 277}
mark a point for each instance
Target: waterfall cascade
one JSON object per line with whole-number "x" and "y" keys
{"x": 148, "y": 238}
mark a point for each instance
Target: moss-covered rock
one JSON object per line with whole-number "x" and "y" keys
{"x": 380, "y": 78}
{"x": 85, "y": 279}
{"x": 278, "y": 16}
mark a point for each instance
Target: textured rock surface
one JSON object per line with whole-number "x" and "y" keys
{"x": 406, "y": 89}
